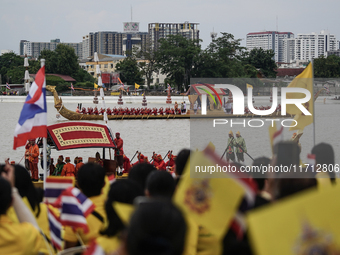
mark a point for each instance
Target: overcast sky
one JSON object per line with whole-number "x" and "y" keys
{"x": 43, "y": 20}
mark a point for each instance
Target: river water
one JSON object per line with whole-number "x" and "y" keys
{"x": 163, "y": 135}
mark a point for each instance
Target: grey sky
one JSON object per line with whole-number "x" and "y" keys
{"x": 43, "y": 20}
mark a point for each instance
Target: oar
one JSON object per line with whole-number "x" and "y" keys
{"x": 21, "y": 159}
{"x": 167, "y": 154}
{"x": 133, "y": 156}
{"x": 169, "y": 159}
{"x": 244, "y": 151}
{"x": 227, "y": 148}
{"x": 152, "y": 158}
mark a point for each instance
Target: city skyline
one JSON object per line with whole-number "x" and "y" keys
{"x": 41, "y": 21}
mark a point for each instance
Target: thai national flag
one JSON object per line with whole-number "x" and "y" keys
{"x": 7, "y": 86}
{"x": 326, "y": 88}
{"x": 72, "y": 87}
{"x": 74, "y": 206}
{"x": 55, "y": 229}
{"x": 55, "y": 185}
{"x": 33, "y": 118}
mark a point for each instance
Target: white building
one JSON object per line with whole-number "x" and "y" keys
{"x": 305, "y": 47}
{"x": 34, "y": 48}
{"x": 269, "y": 40}
{"x": 157, "y": 31}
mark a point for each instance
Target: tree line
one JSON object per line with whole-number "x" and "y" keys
{"x": 177, "y": 57}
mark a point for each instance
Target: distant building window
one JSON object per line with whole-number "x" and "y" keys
{"x": 105, "y": 66}
{"x": 111, "y": 65}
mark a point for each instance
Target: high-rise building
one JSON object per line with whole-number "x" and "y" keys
{"x": 269, "y": 40}
{"x": 109, "y": 42}
{"x": 305, "y": 47}
{"x": 157, "y": 31}
{"x": 34, "y": 48}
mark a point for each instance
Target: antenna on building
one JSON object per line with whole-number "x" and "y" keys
{"x": 213, "y": 35}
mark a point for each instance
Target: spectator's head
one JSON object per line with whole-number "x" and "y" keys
{"x": 26, "y": 188}
{"x": 259, "y": 177}
{"x": 287, "y": 154}
{"x": 160, "y": 184}
{"x": 123, "y": 191}
{"x": 67, "y": 160}
{"x": 156, "y": 228}
{"x": 91, "y": 179}
{"x": 60, "y": 159}
{"x": 97, "y": 155}
{"x": 290, "y": 186}
{"x": 140, "y": 172}
{"x": 324, "y": 154}
{"x": 181, "y": 161}
{"x": 5, "y": 195}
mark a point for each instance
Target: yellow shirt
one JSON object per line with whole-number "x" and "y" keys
{"x": 18, "y": 238}
{"x": 94, "y": 224}
{"x": 109, "y": 244}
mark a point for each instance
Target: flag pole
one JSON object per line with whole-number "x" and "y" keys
{"x": 44, "y": 143}
{"x": 313, "y": 104}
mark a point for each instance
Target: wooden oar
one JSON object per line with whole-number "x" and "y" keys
{"x": 133, "y": 156}
{"x": 227, "y": 147}
{"x": 167, "y": 154}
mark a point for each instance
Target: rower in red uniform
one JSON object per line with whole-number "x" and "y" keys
{"x": 126, "y": 164}
{"x": 102, "y": 111}
{"x": 140, "y": 159}
{"x": 170, "y": 163}
{"x": 83, "y": 110}
{"x": 95, "y": 111}
{"x": 108, "y": 111}
{"x": 79, "y": 165}
{"x": 161, "y": 163}
{"x": 68, "y": 169}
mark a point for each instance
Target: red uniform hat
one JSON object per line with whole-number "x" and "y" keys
{"x": 61, "y": 156}
{"x": 31, "y": 140}
{"x": 80, "y": 158}
{"x": 67, "y": 158}
{"x": 12, "y": 162}
{"x": 117, "y": 133}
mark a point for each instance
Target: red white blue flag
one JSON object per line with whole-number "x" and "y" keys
{"x": 94, "y": 249}
{"x": 74, "y": 206}
{"x": 72, "y": 87}
{"x": 33, "y": 118}
{"x": 7, "y": 86}
{"x": 54, "y": 186}
{"x": 55, "y": 229}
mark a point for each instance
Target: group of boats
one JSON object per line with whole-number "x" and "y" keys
{"x": 144, "y": 112}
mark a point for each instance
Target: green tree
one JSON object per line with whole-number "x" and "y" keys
{"x": 50, "y": 60}
{"x": 327, "y": 67}
{"x": 146, "y": 62}
{"x": 176, "y": 57}
{"x": 264, "y": 60}
{"x": 12, "y": 68}
{"x": 129, "y": 71}
{"x": 223, "y": 58}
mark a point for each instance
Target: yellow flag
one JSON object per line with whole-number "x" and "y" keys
{"x": 299, "y": 224}
{"x": 95, "y": 85}
{"x": 124, "y": 211}
{"x": 137, "y": 86}
{"x": 204, "y": 199}
{"x": 303, "y": 80}
{"x": 249, "y": 86}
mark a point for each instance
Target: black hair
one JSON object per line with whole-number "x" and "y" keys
{"x": 156, "y": 228}
{"x": 91, "y": 179}
{"x": 259, "y": 177}
{"x": 139, "y": 173}
{"x": 123, "y": 191}
{"x": 324, "y": 154}
{"x": 5, "y": 195}
{"x": 181, "y": 160}
{"x": 160, "y": 184}
{"x": 26, "y": 188}
{"x": 290, "y": 186}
